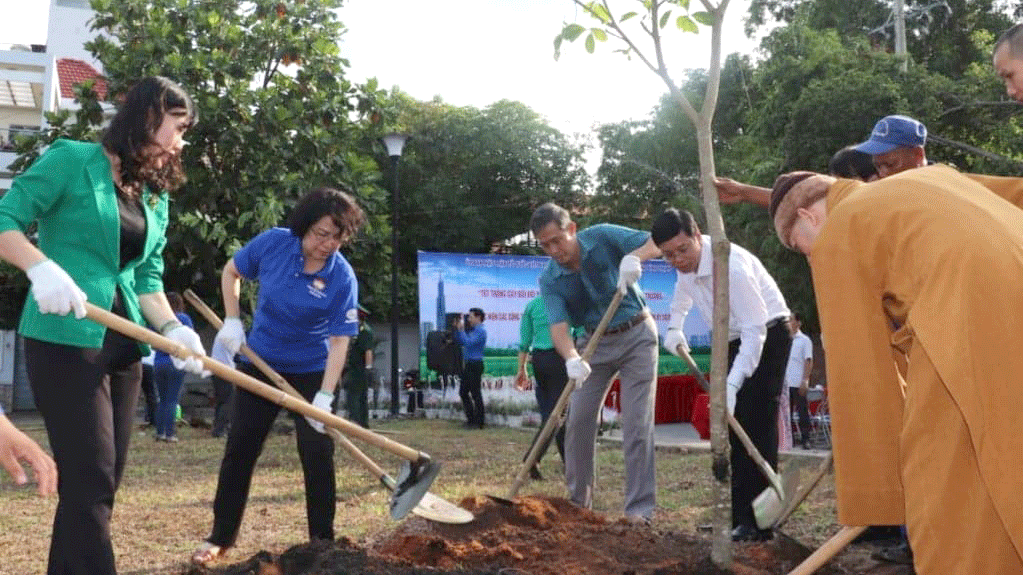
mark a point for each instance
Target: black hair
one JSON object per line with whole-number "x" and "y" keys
{"x": 670, "y": 223}
{"x": 139, "y": 117}
{"x": 1014, "y": 37}
{"x": 174, "y": 299}
{"x": 547, "y": 214}
{"x": 323, "y": 201}
{"x": 797, "y": 316}
{"x": 852, "y": 164}
{"x": 478, "y": 313}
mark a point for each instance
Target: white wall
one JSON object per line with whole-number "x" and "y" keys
{"x": 68, "y": 31}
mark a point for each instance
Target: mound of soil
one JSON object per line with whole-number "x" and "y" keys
{"x": 535, "y": 536}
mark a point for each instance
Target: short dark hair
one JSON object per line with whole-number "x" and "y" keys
{"x": 139, "y": 117}
{"x": 797, "y": 316}
{"x": 670, "y": 223}
{"x": 546, "y": 214}
{"x": 174, "y": 299}
{"x": 478, "y": 313}
{"x": 1014, "y": 38}
{"x": 852, "y": 164}
{"x": 323, "y": 201}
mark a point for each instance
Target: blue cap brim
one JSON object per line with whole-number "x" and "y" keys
{"x": 875, "y": 148}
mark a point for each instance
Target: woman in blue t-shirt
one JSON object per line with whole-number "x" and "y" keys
{"x": 305, "y": 314}
{"x": 169, "y": 379}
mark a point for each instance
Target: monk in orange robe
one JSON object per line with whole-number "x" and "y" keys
{"x": 927, "y": 264}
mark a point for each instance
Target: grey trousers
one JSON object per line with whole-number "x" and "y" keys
{"x": 632, "y": 353}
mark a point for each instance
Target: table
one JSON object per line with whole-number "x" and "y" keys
{"x": 676, "y": 395}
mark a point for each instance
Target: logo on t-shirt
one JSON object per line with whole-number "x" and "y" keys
{"x": 352, "y": 315}
{"x": 316, "y": 288}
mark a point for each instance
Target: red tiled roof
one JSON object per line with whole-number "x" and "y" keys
{"x": 71, "y": 72}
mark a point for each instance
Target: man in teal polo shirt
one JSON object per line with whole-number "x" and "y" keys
{"x": 577, "y": 286}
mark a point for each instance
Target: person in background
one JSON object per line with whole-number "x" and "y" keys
{"x": 357, "y": 372}
{"x": 149, "y": 387}
{"x": 1007, "y": 58}
{"x": 587, "y": 268}
{"x": 16, "y": 447}
{"x": 169, "y": 380}
{"x": 101, "y": 215}
{"x": 797, "y": 377}
{"x": 304, "y": 318}
{"x": 474, "y": 340}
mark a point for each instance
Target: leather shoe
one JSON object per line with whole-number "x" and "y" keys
{"x": 750, "y": 533}
{"x": 534, "y": 473}
{"x": 900, "y": 554}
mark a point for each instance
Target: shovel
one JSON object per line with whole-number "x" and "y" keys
{"x": 768, "y": 506}
{"x": 827, "y": 551}
{"x": 429, "y": 507}
{"x": 417, "y": 473}
{"x": 558, "y": 413}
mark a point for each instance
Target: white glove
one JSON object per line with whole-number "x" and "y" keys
{"x": 629, "y": 271}
{"x": 54, "y": 290}
{"x": 231, "y": 335}
{"x": 186, "y": 336}
{"x": 731, "y": 391}
{"x": 578, "y": 370}
{"x": 673, "y": 339}
{"x": 322, "y": 402}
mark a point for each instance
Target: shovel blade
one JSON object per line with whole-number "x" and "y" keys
{"x": 414, "y": 481}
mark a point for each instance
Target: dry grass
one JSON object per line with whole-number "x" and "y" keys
{"x": 163, "y": 507}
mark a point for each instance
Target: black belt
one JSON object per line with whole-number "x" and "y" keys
{"x": 771, "y": 324}
{"x": 627, "y": 324}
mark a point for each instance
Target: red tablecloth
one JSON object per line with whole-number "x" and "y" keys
{"x": 701, "y": 415}
{"x": 675, "y": 397}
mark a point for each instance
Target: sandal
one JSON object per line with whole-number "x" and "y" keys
{"x": 207, "y": 553}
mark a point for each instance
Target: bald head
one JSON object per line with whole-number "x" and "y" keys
{"x": 1008, "y": 61}
{"x": 792, "y": 195}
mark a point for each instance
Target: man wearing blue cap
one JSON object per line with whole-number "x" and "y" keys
{"x": 896, "y": 144}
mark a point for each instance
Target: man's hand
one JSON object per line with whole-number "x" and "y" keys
{"x": 16, "y": 447}
{"x": 804, "y": 387}
{"x": 578, "y": 370}
{"x": 629, "y": 271}
{"x": 322, "y": 402}
{"x": 732, "y": 385}
{"x": 673, "y": 340}
{"x": 186, "y": 336}
{"x": 522, "y": 382}
{"x": 231, "y": 335}
{"x": 730, "y": 191}
{"x": 54, "y": 290}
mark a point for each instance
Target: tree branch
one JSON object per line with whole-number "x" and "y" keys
{"x": 975, "y": 151}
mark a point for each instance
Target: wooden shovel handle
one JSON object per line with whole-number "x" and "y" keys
{"x": 554, "y": 421}
{"x": 282, "y": 383}
{"x": 280, "y": 397}
{"x": 830, "y": 548}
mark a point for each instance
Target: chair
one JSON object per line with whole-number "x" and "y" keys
{"x": 820, "y": 417}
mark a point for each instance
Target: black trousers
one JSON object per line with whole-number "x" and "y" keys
{"x": 551, "y": 377}
{"x": 87, "y": 398}
{"x": 756, "y": 409}
{"x": 252, "y": 417}
{"x": 149, "y": 392}
{"x": 223, "y": 393}
{"x": 797, "y": 401}
{"x": 471, "y": 392}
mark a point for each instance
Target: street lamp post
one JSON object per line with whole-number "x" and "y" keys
{"x": 394, "y": 144}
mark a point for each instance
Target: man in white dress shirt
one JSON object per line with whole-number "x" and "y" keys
{"x": 758, "y": 348}
{"x": 797, "y": 377}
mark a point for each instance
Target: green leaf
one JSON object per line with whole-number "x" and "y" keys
{"x": 705, "y": 18}
{"x": 686, "y": 24}
{"x": 590, "y": 44}
{"x": 599, "y": 34}
{"x": 572, "y": 31}
{"x": 626, "y": 16}
{"x": 684, "y": 4}
{"x": 664, "y": 18}
{"x": 601, "y": 13}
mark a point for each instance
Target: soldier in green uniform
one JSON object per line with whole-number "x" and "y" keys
{"x": 357, "y": 372}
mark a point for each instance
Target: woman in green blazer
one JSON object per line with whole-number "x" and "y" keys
{"x": 101, "y": 211}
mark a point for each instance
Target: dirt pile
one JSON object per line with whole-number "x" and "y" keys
{"x": 535, "y": 536}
